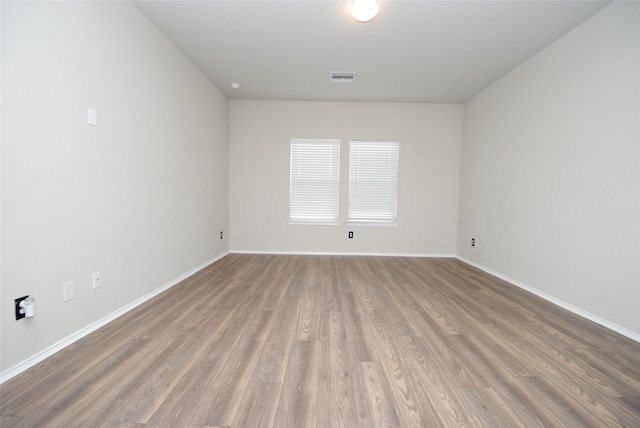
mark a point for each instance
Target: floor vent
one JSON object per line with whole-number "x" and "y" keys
{"x": 343, "y": 76}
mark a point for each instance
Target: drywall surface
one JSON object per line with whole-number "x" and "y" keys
{"x": 428, "y": 179}
{"x": 550, "y": 170}
{"x": 140, "y": 198}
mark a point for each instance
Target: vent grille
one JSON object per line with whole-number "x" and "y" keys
{"x": 343, "y": 76}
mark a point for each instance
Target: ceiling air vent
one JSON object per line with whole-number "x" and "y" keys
{"x": 343, "y": 76}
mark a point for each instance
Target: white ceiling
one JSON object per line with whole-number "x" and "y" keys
{"x": 413, "y": 51}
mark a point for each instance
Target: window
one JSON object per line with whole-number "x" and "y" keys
{"x": 373, "y": 181}
{"x": 314, "y": 181}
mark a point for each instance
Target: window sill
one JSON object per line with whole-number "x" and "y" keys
{"x": 373, "y": 223}
{"x": 313, "y": 223}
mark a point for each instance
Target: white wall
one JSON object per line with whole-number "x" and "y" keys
{"x": 430, "y": 139}
{"x": 141, "y": 198}
{"x": 550, "y": 171}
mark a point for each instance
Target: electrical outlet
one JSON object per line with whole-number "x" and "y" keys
{"x": 68, "y": 291}
{"x": 350, "y": 234}
{"x": 18, "y": 314}
{"x": 96, "y": 280}
{"x": 220, "y": 234}
{"x": 473, "y": 242}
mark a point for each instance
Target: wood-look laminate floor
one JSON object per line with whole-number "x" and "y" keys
{"x": 336, "y": 341}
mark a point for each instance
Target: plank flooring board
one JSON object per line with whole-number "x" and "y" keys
{"x": 184, "y": 402}
{"x": 268, "y": 286}
{"x": 163, "y": 378}
{"x": 50, "y": 408}
{"x": 469, "y": 360}
{"x": 584, "y": 400}
{"x": 571, "y": 361}
{"x": 297, "y": 407}
{"x": 606, "y": 376}
{"x": 464, "y": 315}
{"x": 620, "y": 356}
{"x": 541, "y": 355}
{"x": 549, "y": 404}
{"x": 535, "y": 358}
{"x": 579, "y": 411}
{"x": 590, "y": 335}
{"x": 259, "y": 405}
{"x": 488, "y": 408}
{"x": 442, "y": 349}
{"x": 551, "y": 335}
{"x": 399, "y": 383}
{"x": 496, "y": 370}
{"x": 359, "y": 345}
{"x": 480, "y": 281}
{"x": 336, "y": 341}
{"x": 465, "y": 311}
{"x": 51, "y": 374}
{"x": 333, "y": 414}
{"x": 119, "y": 425}
{"x": 272, "y": 363}
{"x": 531, "y": 330}
{"x": 48, "y": 378}
{"x": 6, "y": 421}
{"x": 516, "y": 397}
{"x": 386, "y": 349}
{"x": 393, "y": 368}
{"x": 108, "y": 391}
{"x": 628, "y": 408}
{"x": 373, "y": 399}
{"x": 509, "y": 355}
{"x": 500, "y": 309}
{"x": 452, "y": 277}
{"x": 515, "y": 394}
{"x": 203, "y": 426}
{"x": 436, "y": 394}
{"x": 433, "y": 308}
{"x": 330, "y": 298}
{"x": 391, "y": 297}
{"x": 239, "y": 289}
{"x": 225, "y": 393}
{"x": 499, "y": 288}
{"x": 185, "y": 316}
{"x": 309, "y": 316}
{"x": 287, "y": 274}
{"x": 497, "y": 302}
{"x": 467, "y": 363}
{"x": 423, "y": 322}
{"x": 335, "y": 387}
{"x": 421, "y": 274}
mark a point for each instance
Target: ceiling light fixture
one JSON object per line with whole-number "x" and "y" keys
{"x": 235, "y": 85}
{"x": 364, "y": 10}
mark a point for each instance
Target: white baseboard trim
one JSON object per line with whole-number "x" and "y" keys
{"x": 584, "y": 314}
{"x": 333, "y": 253}
{"x": 58, "y": 346}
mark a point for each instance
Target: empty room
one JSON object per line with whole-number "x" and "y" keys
{"x": 331, "y": 213}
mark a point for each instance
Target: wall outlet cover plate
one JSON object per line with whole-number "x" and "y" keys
{"x": 19, "y": 316}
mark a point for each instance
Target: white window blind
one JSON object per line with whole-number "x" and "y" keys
{"x": 314, "y": 180}
{"x": 373, "y": 181}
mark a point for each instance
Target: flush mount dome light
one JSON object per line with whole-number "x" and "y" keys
{"x": 364, "y": 10}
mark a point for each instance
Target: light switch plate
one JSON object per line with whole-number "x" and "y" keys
{"x": 96, "y": 280}
{"x": 92, "y": 117}
{"x": 68, "y": 291}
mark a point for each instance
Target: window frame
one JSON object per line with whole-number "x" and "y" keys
{"x": 362, "y": 170}
{"x": 331, "y": 179}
